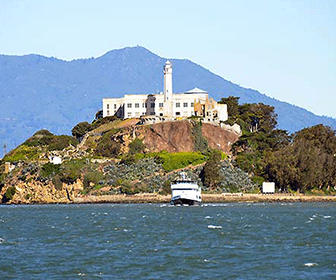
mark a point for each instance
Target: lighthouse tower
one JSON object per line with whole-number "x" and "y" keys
{"x": 168, "y": 88}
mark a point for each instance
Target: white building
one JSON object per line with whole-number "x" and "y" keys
{"x": 55, "y": 160}
{"x": 166, "y": 105}
{"x": 268, "y": 187}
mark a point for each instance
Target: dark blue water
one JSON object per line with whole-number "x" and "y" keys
{"x": 224, "y": 241}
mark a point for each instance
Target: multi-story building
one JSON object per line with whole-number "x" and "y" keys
{"x": 166, "y": 105}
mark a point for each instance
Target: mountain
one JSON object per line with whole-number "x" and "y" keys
{"x": 44, "y": 92}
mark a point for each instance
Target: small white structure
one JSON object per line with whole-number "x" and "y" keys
{"x": 9, "y": 167}
{"x": 166, "y": 105}
{"x": 268, "y": 187}
{"x": 55, "y": 160}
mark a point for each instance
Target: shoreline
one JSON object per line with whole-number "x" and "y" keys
{"x": 206, "y": 198}
{"x": 145, "y": 198}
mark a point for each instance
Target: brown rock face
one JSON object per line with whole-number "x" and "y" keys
{"x": 219, "y": 138}
{"x": 177, "y": 137}
{"x": 169, "y": 136}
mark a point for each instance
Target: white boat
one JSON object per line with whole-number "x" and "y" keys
{"x": 185, "y": 191}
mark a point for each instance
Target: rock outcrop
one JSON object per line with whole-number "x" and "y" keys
{"x": 178, "y": 136}
{"x": 219, "y": 138}
{"x": 168, "y": 136}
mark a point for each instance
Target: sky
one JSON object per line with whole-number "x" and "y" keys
{"x": 285, "y": 49}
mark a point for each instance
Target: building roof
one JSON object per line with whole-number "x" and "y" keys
{"x": 196, "y": 90}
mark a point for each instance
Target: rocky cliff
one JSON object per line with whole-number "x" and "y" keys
{"x": 177, "y": 136}
{"x": 180, "y": 137}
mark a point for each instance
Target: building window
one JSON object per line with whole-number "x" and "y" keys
{"x": 152, "y": 105}
{"x": 160, "y": 105}
{"x": 129, "y": 105}
{"x": 185, "y": 104}
{"x": 108, "y": 112}
{"x": 129, "y": 114}
{"x": 178, "y": 113}
{"x": 136, "y": 105}
{"x": 192, "y": 104}
{"x": 115, "y": 106}
{"x": 143, "y": 105}
{"x": 108, "y": 106}
{"x": 177, "y": 105}
{"x": 161, "y": 114}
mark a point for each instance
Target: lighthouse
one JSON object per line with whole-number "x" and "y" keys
{"x": 168, "y": 88}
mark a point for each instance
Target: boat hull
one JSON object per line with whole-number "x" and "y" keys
{"x": 184, "y": 201}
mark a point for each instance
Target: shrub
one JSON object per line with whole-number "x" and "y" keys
{"x": 49, "y": 170}
{"x": 71, "y": 171}
{"x": 61, "y": 142}
{"x": 2, "y": 181}
{"x": 92, "y": 177}
{"x": 9, "y": 194}
{"x": 43, "y": 132}
{"x": 166, "y": 189}
{"x": 107, "y": 147}
{"x": 54, "y": 142}
{"x": 129, "y": 159}
{"x": 40, "y": 138}
{"x": 102, "y": 121}
{"x": 81, "y": 129}
{"x": 136, "y": 146}
{"x": 23, "y": 152}
{"x": 172, "y": 161}
{"x": 258, "y": 180}
{"x": 127, "y": 188}
{"x": 197, "y": 118}
{"x": 57, "y": 182}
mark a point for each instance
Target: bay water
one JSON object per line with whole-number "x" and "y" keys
{"x": 159, "y": 241}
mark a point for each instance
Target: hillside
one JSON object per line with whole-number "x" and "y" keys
{"x": 39, "y": 92}
{"x": 118, "y": 157}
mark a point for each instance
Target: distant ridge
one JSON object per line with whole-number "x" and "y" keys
{"x": 45, "y": 92}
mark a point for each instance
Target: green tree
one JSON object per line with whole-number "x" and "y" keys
{"x": 200, "y": 142}
{"x": 232, "y": 103}
{"x": 308, "y": 162}
{"x": 257, "y": 117}
{"x": 81, "y": 129}
{"x": 211, "y": 176}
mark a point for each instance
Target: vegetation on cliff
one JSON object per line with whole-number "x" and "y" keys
{"x": 41, "y": 142}
{"x": 304, "y": 161}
